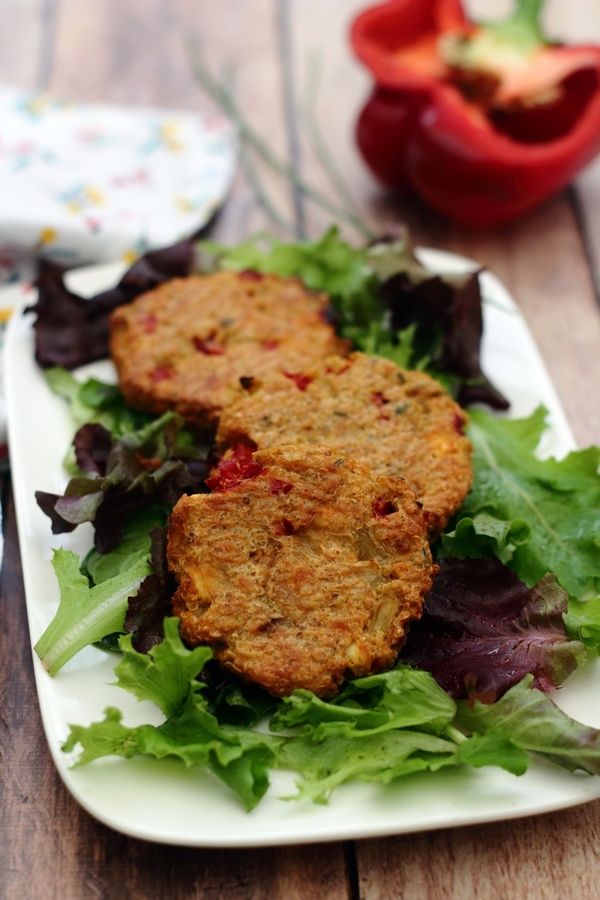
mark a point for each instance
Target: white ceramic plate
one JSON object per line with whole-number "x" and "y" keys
{"x": 163, "y": 801}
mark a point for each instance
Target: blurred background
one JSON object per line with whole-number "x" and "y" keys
{"x": 134, "y": 52}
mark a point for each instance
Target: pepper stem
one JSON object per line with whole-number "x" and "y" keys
{"x": 529, "y": 11}
{"x": 523, "y": 27}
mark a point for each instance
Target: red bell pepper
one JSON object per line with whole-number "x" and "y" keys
{"x": 482, "y": 121}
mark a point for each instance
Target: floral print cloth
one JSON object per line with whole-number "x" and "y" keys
{"x": 93, "y": 183}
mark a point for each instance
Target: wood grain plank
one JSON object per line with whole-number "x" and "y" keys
{"x": 543, "y": 261}
{"x": 138, "y": 53}
{"x": 544, "y": 858}
{"x": 542, "y": 258}
{"x": 133, "y": 52}
{"x": 23, "y": 32}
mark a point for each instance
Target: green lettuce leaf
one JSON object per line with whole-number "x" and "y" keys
{"x": 134, "y": 546}
{"x": 493, "y": 749}
{"x": 376, "y": 757}
{"x": 95, "y": 401}
{"x": 582, "y": 621}
{"x": 401, "y": 698}
{"x": 328, "y": 264}
{"x": 165, "y": 674}
{"x": 550, "y": 508}
{"x": 85, "y": 614}
{"x": 239, "y": 759}
{"x": 530, "y": 720}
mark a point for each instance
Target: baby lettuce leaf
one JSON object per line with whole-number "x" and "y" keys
{"x": 85, "y": 614}
{"x": 147, "y": 609}
{"x": 381, "y": 757}
{"x": 483, "y": 630}
{"x": 582, "y": 621}
{"x": 165, "y": 674}
{"x": 400, "y": 698}
{"x": 191, "y": 733}
{"x": 378, "y": 729}
{"x": 96, "y": 401}
{"x": 550, "y": 508}
{"x": 240, "y": 759}
{"x": 445, "y": 312}
{"x": 154, "y": 465}
{"x": 71, "y": 330}
{"x": 135, "y": 545}
{"x": 530, "y": 720}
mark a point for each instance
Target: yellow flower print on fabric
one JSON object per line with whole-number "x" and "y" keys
{"x": 94, "y": 195}
{"x": 184, "y": 204}
{"x": 46, "y": 236}
{"x": 129, "y": 256}
{"x": 169, "y": 135}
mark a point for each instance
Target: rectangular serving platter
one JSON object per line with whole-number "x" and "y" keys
{"x": 165, "y": 802}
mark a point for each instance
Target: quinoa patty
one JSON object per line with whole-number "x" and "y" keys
{"x": 185, "y": 345}
{"x": 301, "y": 569}
{"x": 399, "y": 422}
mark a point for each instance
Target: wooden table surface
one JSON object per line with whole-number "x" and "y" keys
{"x": 133, "y": 52}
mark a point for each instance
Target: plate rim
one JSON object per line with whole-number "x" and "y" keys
{"x": 436, "y": 259}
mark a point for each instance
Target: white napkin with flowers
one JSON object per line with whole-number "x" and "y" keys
{"x": 94, "y": 183}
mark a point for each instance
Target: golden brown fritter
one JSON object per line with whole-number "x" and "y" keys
{"x": 399, "y": 422}
{"x": 185, "y": 345}
{"x": 303, "y": 568}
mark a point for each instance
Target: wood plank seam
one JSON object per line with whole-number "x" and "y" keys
{"x": 351, "y": 861}
{"x": 586, "y": 239}
{"x": 47, "y": 44}
{"x": 284, "y": 48}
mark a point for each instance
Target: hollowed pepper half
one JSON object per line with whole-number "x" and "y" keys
{"x": 483, "y": 121}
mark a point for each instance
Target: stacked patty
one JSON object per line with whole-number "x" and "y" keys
{"x": 309, "y": 559}
{"x": 399, "y": 422}
{"x": 185, "y": 345}
{"x": 305, "y": 571}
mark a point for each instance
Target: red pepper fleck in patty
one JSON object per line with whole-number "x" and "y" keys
{"x": 251, "y": 275}
{"x": 300, "y": 380}
{"x": 280, "y": 487}
{"x": 459, "y": 423}
{"x": 149, "y": 323}
{"x": 378, "y": 399}
{"x": 238, "y": 467}
{"x": 284, "y": 527}
{"x": 162, "y": 373}
{"x": 382, "y": 507}
{"x": 209, "y": 345}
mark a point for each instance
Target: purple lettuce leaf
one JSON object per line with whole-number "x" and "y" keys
{"x": 71, "y": 330}
{"x": 444, "y": 310}
{"x": 483, "y": 630}
{"x": 92, "y": 443}
{"x": 151, "y": 466}
{"x": 147, "y": 610}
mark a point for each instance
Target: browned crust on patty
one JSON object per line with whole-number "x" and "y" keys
{"x": 303, "y": 575}
{"x": 185, "y": 345}
{"x": 399, "y": 422}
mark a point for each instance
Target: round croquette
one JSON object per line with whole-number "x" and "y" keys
{"x": 302, "y": 568}
{"x": 399, "y": 422}
{"x": 185, "y": 345}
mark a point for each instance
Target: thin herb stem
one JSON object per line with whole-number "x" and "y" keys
{"x": 317, "y": 139}
{"x": 250, "y": 136}
{"x": 260, "y": 194}
{"x": 250, "y": 171}
{"x": 455, "y": 735}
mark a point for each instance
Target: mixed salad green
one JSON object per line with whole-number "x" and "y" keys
{"x": 515, "y": 609}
